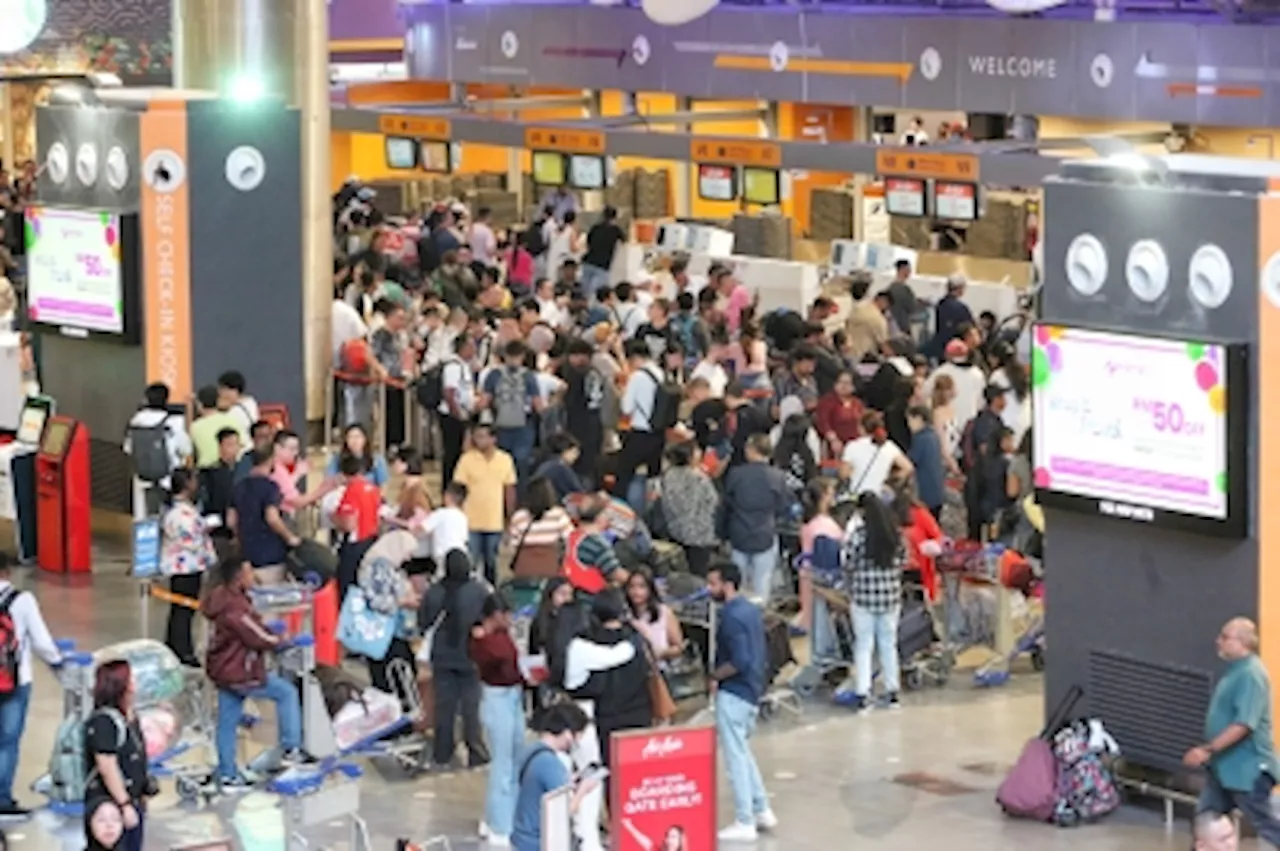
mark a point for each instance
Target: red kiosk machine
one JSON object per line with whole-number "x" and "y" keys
{"x": 62, "y": 497}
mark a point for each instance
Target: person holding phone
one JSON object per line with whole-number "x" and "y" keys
{"x": 542, "y": 769}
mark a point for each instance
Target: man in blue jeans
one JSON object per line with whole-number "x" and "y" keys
{"x": 29, "y": 631}
{"x": 238, "y": 644}
{"x": 1238, "y": 752}
{"x": 738, "y": 683}
{"x": 512, "y": 397}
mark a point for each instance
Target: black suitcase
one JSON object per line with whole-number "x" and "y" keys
{"x": 915, "y": 632}
{"x": 313, "y": 563}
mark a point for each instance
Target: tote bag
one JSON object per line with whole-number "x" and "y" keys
{"x": 363, "y": 630}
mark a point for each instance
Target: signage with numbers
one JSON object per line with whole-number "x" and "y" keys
{"x": 417, "y": 126}
{"x": 566, "y": 140}
{"x": 927, "y": 165}
{"x": 744, "y": 152}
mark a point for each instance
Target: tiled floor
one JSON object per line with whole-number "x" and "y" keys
{"x": 920, "y": 778}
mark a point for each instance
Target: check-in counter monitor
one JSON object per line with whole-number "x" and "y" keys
{"x": 62, "y": 497}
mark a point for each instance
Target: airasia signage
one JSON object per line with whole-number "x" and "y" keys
{"x": 664, "y": 789}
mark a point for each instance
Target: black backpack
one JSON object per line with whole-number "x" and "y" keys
{"x": 533, "y": 241}
{"x": 430, "y": 386}
{"x": 149, "y": 447}
{"x": 666, "y": 404}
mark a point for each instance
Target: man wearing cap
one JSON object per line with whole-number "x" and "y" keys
{"x": 951, "y": 314}
{"x": 968, "y": 378}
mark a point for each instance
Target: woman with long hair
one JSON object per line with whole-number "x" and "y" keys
{"x": 1011, "y": 375}
{"x": 793, "y": 448}
{"x": 556, "y": 595}
{"x": 186, "y": 552}
{"x": 945, "y": 422}
{"x": 820, "y": 539}
{"x": 652, "y": 618}
{"x": 538, "y": 530}
{"x": 873, "y": 561}
{"x": 449, "y": 611}
{"x": 355, "y": 443}
{"x": 501, "y": 712}
{"x": 117, "y": 758}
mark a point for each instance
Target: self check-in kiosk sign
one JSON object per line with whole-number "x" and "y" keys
{"x": 912, "y": 162}
{"x": 736, "y": 152}
{"x": 416, "y": 126}
{"x": 564, "y": 140}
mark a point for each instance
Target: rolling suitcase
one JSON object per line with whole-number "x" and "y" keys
{"x": 915, "y": 632}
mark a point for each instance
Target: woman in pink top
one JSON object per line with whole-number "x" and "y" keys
{"x": 659, "y": 626}
{"x": 819, "y": 498}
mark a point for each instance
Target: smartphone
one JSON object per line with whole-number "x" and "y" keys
{"x": 595, "y": 773}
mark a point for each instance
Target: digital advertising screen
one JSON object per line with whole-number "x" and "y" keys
{"x": 586, "y": 172}
{"x": 761, "y": 185}
{"x": 956, "y": 202}
{"x": 78, "y": 269}
{"x": 434, "y": 156}
{"x": 1145, "y": 429}
{"x": 904, "y": 197}
{"x": 402, "y": 152}
{"x": 549, "y": 168}
{"x": 717, "y": 182}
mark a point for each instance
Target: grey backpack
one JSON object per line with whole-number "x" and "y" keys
{"x": 511, "y": 399}
{"x": 149, "y": 448}
{"x": 67, "y": 774}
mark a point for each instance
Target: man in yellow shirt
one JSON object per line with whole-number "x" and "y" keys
{"x": 209, "y": 421}
{"x": 866, "y": 329}
{"x": 490, "y": 477}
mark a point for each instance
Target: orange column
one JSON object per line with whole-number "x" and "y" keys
{"x": 815, "y": 123}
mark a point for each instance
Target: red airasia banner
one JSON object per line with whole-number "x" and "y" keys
{"x": 664, "y": 789}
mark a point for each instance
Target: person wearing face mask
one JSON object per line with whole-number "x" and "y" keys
{"x": 872, "y": 460}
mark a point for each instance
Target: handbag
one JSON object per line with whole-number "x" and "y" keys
{"x": 429, "y": 639}
{"x": 663, "y": 705}
{"x": 363, "y": 630}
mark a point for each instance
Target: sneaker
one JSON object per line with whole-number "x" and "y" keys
{"x": 295, "y": 757}
{"x": 14, "y": 812}
{"x": 498, "y": 841}
{"x": 766, "y": 820}
{"x": 484, "y": 831}
{"x": 234, "y": 785}
{"x": 739, "y": 832}
{"x": 891, "y": 701}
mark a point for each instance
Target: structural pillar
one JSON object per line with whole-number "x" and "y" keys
{"x": 276, "y": 49}
{"x": 8, "y": 128}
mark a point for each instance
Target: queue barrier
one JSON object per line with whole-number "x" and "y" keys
{"x": 375, "y": 421}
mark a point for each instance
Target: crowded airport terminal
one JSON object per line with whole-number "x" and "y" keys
{"x": 643, "y": 425}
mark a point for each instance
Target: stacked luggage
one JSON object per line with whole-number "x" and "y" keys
{"x": 1063, "y": 776}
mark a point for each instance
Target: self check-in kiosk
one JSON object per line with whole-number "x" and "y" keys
{"x": 62, "y": 497}
{"x": 18, "y": 474}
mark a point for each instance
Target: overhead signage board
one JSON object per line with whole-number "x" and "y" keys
{"x": 417, "y": 126}
{"x": 927, "y": 165}
{"x": 744, "y": 152}
{"x": 565, "y": 140}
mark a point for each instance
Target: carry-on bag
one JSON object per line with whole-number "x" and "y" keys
{"x": 1030, "y": 790}
{"x": 312, "y": 562}
{"x": 915, "y": 631}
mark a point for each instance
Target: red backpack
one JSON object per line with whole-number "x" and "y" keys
{"x": 10, "y": 648}
{"x": 581, "y": 576}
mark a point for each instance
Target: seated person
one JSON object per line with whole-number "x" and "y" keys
{"x": 236, "y": 663}
{"x": 590, "y": 564}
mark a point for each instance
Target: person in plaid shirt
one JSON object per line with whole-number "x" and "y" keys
{"x": 872, "y": 560}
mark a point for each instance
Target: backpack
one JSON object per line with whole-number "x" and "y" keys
{"x": 430, "y": 387}
{"x": 511, "y": 399}
{"x": 68, "y": 776}
{"x": 355, "y": 357}
{"x": 10, "y": 647}
{"x": 666, "y": 404}
{"x": 533, "y": 241}
{"x": 149, "y": 446}
{"x": 684, "y": 325}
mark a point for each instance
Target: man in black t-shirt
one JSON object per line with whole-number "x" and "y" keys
{"x": 602, "y": 242}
